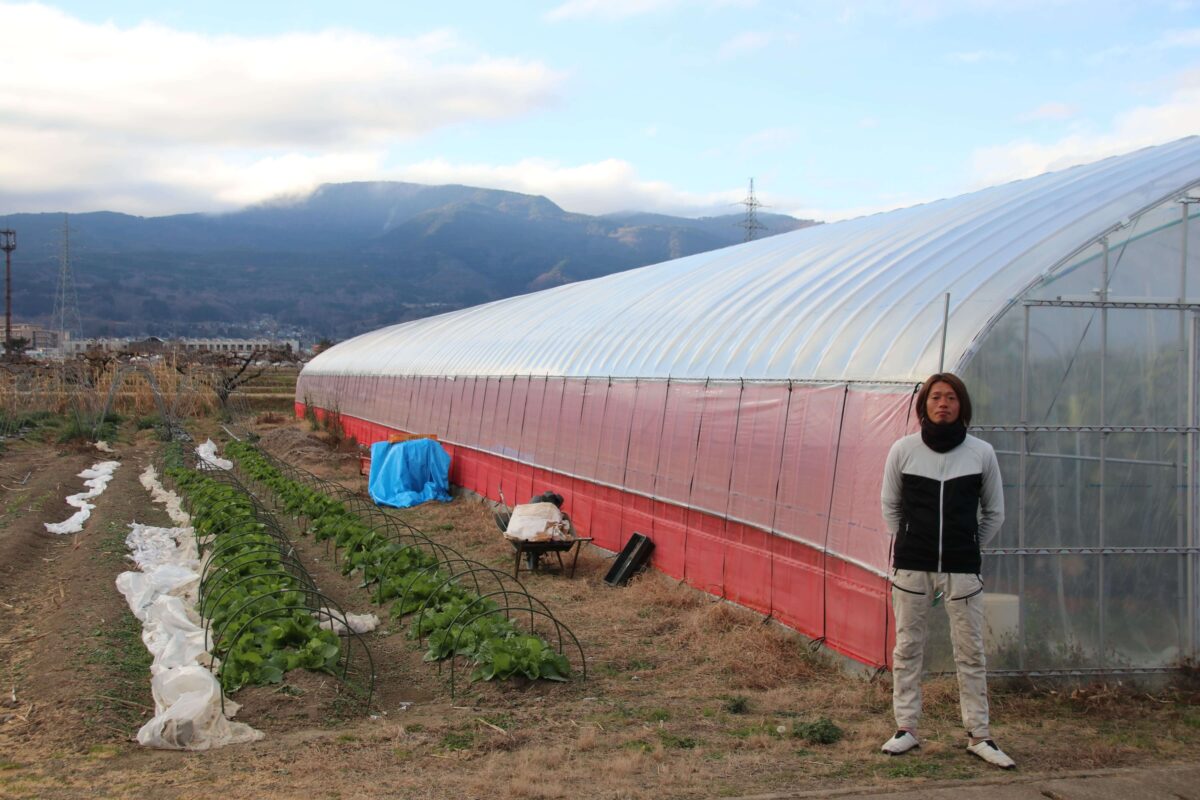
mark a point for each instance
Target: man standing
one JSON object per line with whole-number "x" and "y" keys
{"x": 942, "y": 499}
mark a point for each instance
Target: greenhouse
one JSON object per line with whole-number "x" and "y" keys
{"x": 736, "y": 407}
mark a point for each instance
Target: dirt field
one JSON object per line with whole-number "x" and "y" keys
{"x": 685, "y": 697}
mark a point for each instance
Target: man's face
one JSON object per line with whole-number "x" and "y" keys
{"x": 942, "y": 404}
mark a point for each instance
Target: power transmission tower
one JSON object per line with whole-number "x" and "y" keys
{"x": 66, "y": 302}
{"x": 8, "y": 243}
{"x": 750, "y": 222}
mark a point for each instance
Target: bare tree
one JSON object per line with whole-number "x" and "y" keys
{"x": 232, "y": 371}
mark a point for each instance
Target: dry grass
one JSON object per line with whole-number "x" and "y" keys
{"x": 79, "y": 386}
{"x": 688, "y": 696}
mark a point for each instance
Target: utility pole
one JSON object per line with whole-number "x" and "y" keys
{"x": 8, "y": 243}
{"x": 750, "y": 222}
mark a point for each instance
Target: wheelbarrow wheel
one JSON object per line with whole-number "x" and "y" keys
{"x": 531, "y": 560}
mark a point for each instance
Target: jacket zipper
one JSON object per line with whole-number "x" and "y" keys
{"x": 941, "y": 518}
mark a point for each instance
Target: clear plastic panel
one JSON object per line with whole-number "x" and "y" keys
{"x": 1062, "y": 626}
{"x": 514, "y": 417}
{"x": 423, "y": 405}
{"x": 714, "y": 448}
{"x": 591, "y": 419}
{"x": 1062, "y": 483}
{"x": 489, "y": 414}
{"x": 551, "y": 423}
{"x": 535, "y": 419}
{"x": 677, "y": 457}
{"x": 1064, "y": 367}
{"x": 443, "y": 398}
{"x": 872, "y": 421}
{"x": 810, "y": 439}
{"x": 1145, "y": 610}
{"x": 645, "y": 435}
{"x": 1143, "y": 503}
{"x": 472, "y": 425}
{"x": 1146, "y": 258}
{"x": 1146, "y": 371}
{"x": 757, "y": 453}
{"x": 614, "y": 432}
{"x": 570, "y": 421}
{"x": 460, "y": 408}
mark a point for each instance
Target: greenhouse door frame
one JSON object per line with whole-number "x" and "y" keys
{"x": 1188, "y": 548}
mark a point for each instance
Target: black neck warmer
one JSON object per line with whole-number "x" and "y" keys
{"x": 941, "y": 437}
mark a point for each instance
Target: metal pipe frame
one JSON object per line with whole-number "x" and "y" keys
{"x": 1101, "y": 606}
{"x": 1182, "y": 394}
{"x": 1077, "y": 457}
{"x": 1112, "y": 551}
{"x": 1022, "y": 481}
{"x": 1025, "y": 428}
{"x": 1188, "y": 536}
{"x": 1146, "y": 305}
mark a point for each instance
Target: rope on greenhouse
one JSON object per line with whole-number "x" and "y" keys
{"x": 787, "y": 416}
{"x": 837, "y": 454}
{"x": 692, "y": 479}
{"x": 737, "y": 423}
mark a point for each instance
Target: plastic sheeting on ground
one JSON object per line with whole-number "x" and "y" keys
{"x": 209, "y": 459}
{"x": 96, "y": 479}
{"x": 165, "y": 497}
{"x": 187, "y": 696}
{"x": 354, "y": 623}
{"x": 405, "y": 474}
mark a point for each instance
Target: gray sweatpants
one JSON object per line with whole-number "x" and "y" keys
{"x": 912, "y": 600}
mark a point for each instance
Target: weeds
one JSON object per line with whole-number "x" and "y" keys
{"x": 823, "y": 731}
{"x": 738, "y": 704}
{"x": 457, "y": 740}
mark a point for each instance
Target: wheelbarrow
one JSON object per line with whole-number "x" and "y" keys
{"x": 532, "y": 551}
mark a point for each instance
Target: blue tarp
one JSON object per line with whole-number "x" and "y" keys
{"x": 407, "y": 474}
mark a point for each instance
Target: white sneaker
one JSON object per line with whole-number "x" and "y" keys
{"x": 989, "y": 752}
{"x": 902, "y": 742}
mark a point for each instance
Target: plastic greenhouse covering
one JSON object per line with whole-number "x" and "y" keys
{"x": 736, "y": 406}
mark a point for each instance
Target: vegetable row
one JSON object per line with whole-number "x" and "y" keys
{"x": 422, "y": 578}
{"x": 257, "y": 601}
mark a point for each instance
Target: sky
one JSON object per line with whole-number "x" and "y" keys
{"x": 835, "y": 109}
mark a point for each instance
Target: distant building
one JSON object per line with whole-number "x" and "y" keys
{"x": 153, "y": 345}
{"x": 39, "y": 338}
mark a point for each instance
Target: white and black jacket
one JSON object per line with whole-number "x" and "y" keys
{"x": 941, "y": 507}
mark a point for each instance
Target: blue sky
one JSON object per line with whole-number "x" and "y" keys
{"x": 836, "y": 109}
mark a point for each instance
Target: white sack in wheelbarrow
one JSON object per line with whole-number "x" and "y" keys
{"x": 187, "y": 702}
{"x": 537, "y": 522}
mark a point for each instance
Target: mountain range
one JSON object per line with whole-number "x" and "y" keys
{"x": 348, "y": 258}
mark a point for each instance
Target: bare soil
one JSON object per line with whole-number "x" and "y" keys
{"x": 684, "y": 697}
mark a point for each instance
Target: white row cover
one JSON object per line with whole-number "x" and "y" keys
{"x": 96, "y": 481}
{"x": 860, "y": 300}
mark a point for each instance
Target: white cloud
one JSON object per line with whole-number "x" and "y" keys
{"x": 233, "y": 116}
{"x": 1049, "y": 111}
{"x": 596, "y": 188}
{"x": 1174, "y": 118}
